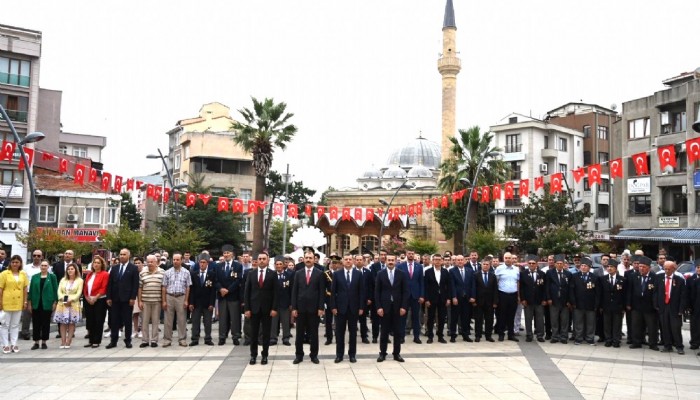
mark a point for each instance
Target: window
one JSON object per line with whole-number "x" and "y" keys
{"x": 216, "y": 165}
{"x": 586, "y": 185}
{"x": 14, "y": 72}
{"x": 603, "y": 132}
{"x": 370, "y": 243}
{"x": 93, "y": 215}
{"x": 344, "y": 242}
{"x": 245, "y": 194}
{"x": 603, "y": 211}
{"x": 673, "y": 200}
{"x": 546, "y": 142}
{"x": 511, "y": 220}
{"x": 604, "y": 185}
{"x": 47, "y": 213}
{"x": 515, "y": 201}
{"x": 640, "y": 205}
{"x": 586, "y": 158}
{"x": 63, "y": 149}
{"x": 513, "y": 143}
{"x": 186, "y": 151}
{"x": 515, "y": 170}
{"x": 586, "y": 131}
{"x": 639, "y": 128}
{"x": 681, "y": 161}
{"x": 112, "y": 216}
{"x": 563, "y": 168}
{"x": 11, "y": 175}
{"x": 679, "y": 122}
{"x": 80, "y": 151}
{"x": 697, "y": 202}
{"x": 563, "y": 144}
{"x": 15, "y": 106}
{"x": 177, "y": 161}
{"x": 603, "y": 157}
{"x": 245, "y": 226}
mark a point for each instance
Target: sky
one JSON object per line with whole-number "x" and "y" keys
{"x": 360, "y": 76}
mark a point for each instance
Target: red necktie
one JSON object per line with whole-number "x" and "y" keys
{"x": 308, "y": 276}
{"x": 668, "y": 290}
{"x": 410, "y": 270}
{"x": 260, "y": 277}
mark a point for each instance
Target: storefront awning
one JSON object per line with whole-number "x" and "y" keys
{"x": 686, "y": 236}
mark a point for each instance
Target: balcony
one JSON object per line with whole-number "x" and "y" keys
{"x": 13, "y": 79}
{"x": 513, "y": 148}
{"x": 549, "y": 153}
{"x": 16, "y": 115}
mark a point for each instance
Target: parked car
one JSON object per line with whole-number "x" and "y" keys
{"x": 687, "y": 268}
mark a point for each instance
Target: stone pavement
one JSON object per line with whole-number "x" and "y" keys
{"x": 501, "y": 370}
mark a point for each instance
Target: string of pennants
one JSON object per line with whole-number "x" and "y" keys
{"x": 108, "y": 183}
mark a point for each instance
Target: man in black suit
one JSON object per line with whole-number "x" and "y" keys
{"x": 693, "y": 306}
{"x": 308, "y": 291}
{"x": 334, "y": 265}
{"x": 463, "y": 296}
{"x": 532, "y": 298}
{"x": 376, "y": 320}
{"x": 229, "y": 291}
{"x": 122, "y": 290}
{"x": 670, "y": 301}
{"x": 630, "y": 274}
{"x": 391, "y": 302}
{"x": 347, "y": 302}
{"x": 486, "y": 301}
{"x": 260, "y": 302}
{"x": 284, "y": 304}
{"x": 641, "y": 299}
{"x": 368, "y": 281}
{"x": 557, "y": 295}
{"x": 438, "y": 293}
{"x": 584, "y": 296}
{"x": 4, "y": 261}
{"x": 613, "y": 297}
{"x": 202, "y": 299}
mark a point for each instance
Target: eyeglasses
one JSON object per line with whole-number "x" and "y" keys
{"x": 36, "y": 255}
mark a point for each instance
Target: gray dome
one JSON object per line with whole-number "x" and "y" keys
{"x": 372, "y": 174}
{"x": 394, "y": 171}
{"x": 420, "y": 171}
{"x": 419, "y": 151}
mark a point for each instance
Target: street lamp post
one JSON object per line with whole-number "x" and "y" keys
{"x": 471, "y": 193}
{"x": 7, "y": 198}
{"x": 388, "y": 206}
{"x": 169, "y": 174}
{"x": 284, "y": 218}
{"x": 571, "y": 199}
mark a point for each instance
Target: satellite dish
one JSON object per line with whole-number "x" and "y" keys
{"x": 613, "y": 106}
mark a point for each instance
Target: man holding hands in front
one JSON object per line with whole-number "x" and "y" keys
{"x": 391, "y": 297}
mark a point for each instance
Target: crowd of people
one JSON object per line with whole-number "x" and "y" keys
{"x": 385, "y": 298}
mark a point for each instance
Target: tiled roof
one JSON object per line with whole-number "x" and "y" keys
{"x": 49, "y": 180}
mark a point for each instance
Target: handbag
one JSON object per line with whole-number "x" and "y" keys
{"x": 3, "y": 317}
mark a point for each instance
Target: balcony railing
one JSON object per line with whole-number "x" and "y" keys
{"x": 515, "y": 175}
{"x": 13, "y": 79}
{"x": 17, "y": 116}
{"x": 514, "y": 148}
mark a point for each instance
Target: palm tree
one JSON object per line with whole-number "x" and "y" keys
{"x": 266, "y": 127}
{"x": 468, "y": 150}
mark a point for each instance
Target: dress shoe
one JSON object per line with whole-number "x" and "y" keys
{"x": 154, "y": 344}
{"x": 194, "y": 343}
{"x": 111, "y": 345}
{"x": 273, "y": 342}
{"x": 314, "y": 360}
{"x": 143, "y": 345}
{"x": 35, "y": 347}
{"x": 501, "y": 338}
{"x": 477, "y": 339}
{"x": 513, "y": 339}
{"x": 337, "y": 360}
{"x": 616, "y": 345}
{"x": 209, "y": 343}
{"x": 222, "y": 342}
{"x": 540, "y": 339}
{"x": 680, "y": 351}
{"x": 297, "y": 360}
{"x": 554, "y": 341}
{"x": 655, "y": 348}
{"x": 263, "y": 361}
{"x": 547, "y": 337}
{"x": 578, "y": 342}
{"x": 528, "y": 339}
{"x": 353, "y": 359}
{"x": 430, "y": 340}
{"x": 381, "y": 358}
{"x": 245, "y": 342}
{"x": 490, "y": 339}
{"x": 167, "y": 344}
{"x": 398, "y": 358}
{"x": 442, "y": 340}
{"x": 365, "y": 340}
{"x": 87, "y": 345}
{"x": 286, "y": 343}
{"x": 453, "y": 339}
{"x": 328, "y": 342}
{"x": 87, "y": 336}
{"x": 374, "y": 340}
{"x": 467, "y": 339}
{"x": 252, "y": 361}
{"x": 694, "y": 347}
{"x": 666, "y": 350}
{"x": 564, "y": 341}
{"x": 236, "y": 342}
{"x": 44, "y": 346}
{"x": 417, "y": 341}
{"x": 129, "y": 345}
{"x": 635, "y": 346}
{"x": 601, "y": 339}
{"x": 608, "y": 344}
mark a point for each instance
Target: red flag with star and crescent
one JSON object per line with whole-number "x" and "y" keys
{"x": 346, "y": 214}
{"x": 117, "y": 183}
{"x": 692, "y": 147}
{"x": 93, "y": 175}
{"x": 320, "y": 210}
{"x": 130, "y": 184}
{"x": 8, "y": 150}
{"x": 30, "y": 158}
{"x": 333, "y": 211}
{"x": 252, "y": 206}
{"x": 369, "y": 214}
{"x": 46, "y": 156}
{"x": 594, "y": 174}
{"x": 524, "y": 188}
{"x": 640, "y": 163}
{"x": 293, "y": 210}
{"x": 539, "y": 183}
{"x": 555, "y": 183}
{"x": 485, "y": 194}
{"x": 151, "y": 191}
{"x": 190, "y": 200}
{"x": 79, "y": 174}
{"x": 358, "y": 214}
{"x": 205, "y": 198}
{"x": 157, "y": 192}
{"x": 106, "y": 181}
{"x": 496, "y": 193}
{"x": 307, "y": 210}
{"x": 510, "y": 190}
{"x": 62, "y": 166}
{"x": 578, "y": 173}
{"x": 616, "y": 168}
{"x": 238, "y": 206}
{"x": 222, "y": 204}
{"x": 277, "y": 209}
{"x": 667, "y": 156}
{"x": 166, "y": 195}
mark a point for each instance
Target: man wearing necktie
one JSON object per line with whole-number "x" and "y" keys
{"x": 463, "y": 296}
{"x": 201, "y": 300}
{"x": 260, "y": 300}
{"x": 229, "y": 292}
{"x": 486, "y": 301}
{"x": 641, "y": 302}
{"x": 532, "y": 298}
{"x": 557, "y": 294}
{"x": 391, "y": 296}
{"x": 438, "y": 294}
{"x": 670, "y": 301}
{"x": 308, "y": 293}
{"x": 376, "y": 320}
{"x": 347, "y": 304}
{"x": 613, "y": 297}
{"x": 584, "y": 295}
{"x": 368, "y": 282}
{"x": 416, "y": 288}
{"x": 284, "y": 304}
{"x": 122, "y": 291}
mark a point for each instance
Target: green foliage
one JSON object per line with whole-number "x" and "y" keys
{"x": 324, "y": 196}
{"x": 125, "y": 238}
{"x": 52, "y": 243}
{"x": 179, "y": 237}
{"x": 604, "y": 247}
{"x": 395, "y": 245}
{"x": 485, "y": 241}
{"x": 130, "y": 216}
{"x": 422, "y": 246}
{"x": 634, "y": 246}
{"x": 451, "y": 219}
{"x": 276, "y": 230}
{"x": 274, "y": 188}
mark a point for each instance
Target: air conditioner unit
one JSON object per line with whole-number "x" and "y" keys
{"x": 72, "y": 218}
{"x": 543, "y": 168}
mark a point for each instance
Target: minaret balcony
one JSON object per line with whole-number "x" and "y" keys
{"x": 449, "y": 64}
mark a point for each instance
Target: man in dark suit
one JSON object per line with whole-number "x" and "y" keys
{"x": 122, "y": 290}
{"x": 486, "y": 301}
{"x": 260, "y": 299}
{"x": 328, "y": 317}
{"x": 438, "y": 294}
{"x": 584, "y": 296}
{"x": 613, "y": 298}
{"x": 348, "y": 298}
{"x": 376, "y": 320}
{"x": 463, "y": 296}
{"x": 202, "y": 299}
{"x": 284, "y": 304}
{"x": 229, "y": 291}
{"x": 391, "y": 301}
{"x": 630, "y": 274}
{"x": 641, "y": 299}
{"x": 670, "y": 301}
{"x": 308, "y": 291}
{"x": 532, "y": 298}
{"x": 693, "y": 306}
{"x": 4, "y": 261}
{"x": 557, "y": 295}
{"x": 416, "y": 288}
{"x": 368, "y": 281}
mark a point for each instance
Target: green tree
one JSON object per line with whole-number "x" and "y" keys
{"x": 173, "y": 236}
{"x": 485, "y": 241}
{"x": 130, "y": 216}
{"x": 422, "y": 246}
{"x": 276, "y": 230}
{"x": 266, "y": 127}
{"x": 274, "y": 188}
{"x": 123, "y": 237}
{"x": 324, "y": 196}
{"x": 52, "y": 243}
{"x": 469, "y": 148}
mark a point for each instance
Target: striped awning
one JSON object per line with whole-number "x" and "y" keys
{"x": 684, "y": 236}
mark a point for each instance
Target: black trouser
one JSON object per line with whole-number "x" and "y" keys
{"x": 628, "y": 322}
{"x": 414, "y": 310}
{"x": 281, "y": 318}
{"x": 534, "y": 313}
{"x": 560, "y": 322}
{"x": 199, "y": 313}
{"x": 328, "y": 321}
{"x": 307, "y": 322}
{"x": 121, "y": 316}
{"x": 41, "y": 323}
{"x": 391, "y": 322}
{"x": 376, "y": 322}
{"x": 507, "y": 305}
{"x": 483, "y": 316}
{"x": 256, "y": 320}
{"x": 364, "y": 330}
{"x": 584, "y": 325}
{"x": 229, "y": 319}
{"x": 599, "y": 327}
{"x": 95, "y": 320}
{"x": 695, "y": 328}
{"x": 671, "y": 324}
{"x": 643, "y": 322}
{"x": 612, "y": 326}
{"x": 342, "y": 321}
{"x": 461, "y": 312}
{"x": 440, "y": 308}
{"x": 547, "y": 322}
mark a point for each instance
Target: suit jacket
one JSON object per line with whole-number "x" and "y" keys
{"x": 438, "y": 293}
{"x": 475, "y": 267}
{"x": 641, "y": 297}
{"x": 556, "y": 291}
{"x": 99, "y": 285}
{"x": 308, "y": 298}
{"x": 532, "y": 291}
{"x": 384, "y": 291}
{"x": 692, "y": 294}
{"x": 463, "y": 288}
{"x": 368, "y": 277}
{"x": 203, "y": 295}
{"x": 233, "y": 281}
{"x": 48, "y": 296}
{"x": 584, "y": 294}
{"x": 348, "y": 299}
{"x": 125, "y": 288}
{"x": 613, "y": 298}
{"x": 678, "y": 295}
{"x": 260, "y": 299}
{"x": 486, "y": 293}
{"x": 284, "y": 289}
{"x": 416, "y": 283}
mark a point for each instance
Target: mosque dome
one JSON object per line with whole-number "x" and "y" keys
{"x": 372, "y": 173}
{"x": 394, "y": 171}
{"x": 418, "y": 152}
{"x": 420, "y": 171}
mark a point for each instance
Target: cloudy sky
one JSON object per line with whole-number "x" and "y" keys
{"x": 360, "y": 76}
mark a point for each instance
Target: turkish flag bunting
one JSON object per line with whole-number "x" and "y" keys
{"x": 403, "y": 210}
{"x": 46, "y": 156}
{"x": 539, "y": 183}
{"x": 293, "y": 211}
{"x": 79, "y": 174}
{"x": 475, "y": 193}
{"x": 252, "y": 206}
{"x": 333, "y": 212}
{"x": 436, "y": 202}
{"x": 594, "y": 172}
{"x": 455, "y": 197}
{"x": 667, "y": 156}
{"x": 93, "y": 175}
{"x": 238, "y": 206}
{"x": 485, "y": 194}
{"x": 462, "y": 193}
{"x": 130, "y": 184}
{"x": 616, "y": 168}
{"x": 106, "y": 181}
{"x": 191, "y": 198}
{"x": 411, "y": 210}
{"x": 428, "y": 203}
{"x": 358, "y": 214}
{"x": 157, "y": 192}
{"x": 151, "y": 192}
{"x": 62, "y": 166}
{"x": 320, "y": 210}
{"x": 307, "y": 210}
{"x": 205, "y": 198}
{"x": 578, "y": 174}
{"x": 444, "y": 202}
{"x": 346, "y": 214}
{"x": 524, "y": 188}
{"x": 496, "y": 194}
{"x": 380, "y": 212}
{"x": 419, "y": 208}
{"x": 692, "y": 147}
{"x": 166, "y": 195}
{"x": 369, "y": 214}
{"x": 117, "y": 183}
{"x": 8, "y": 150}
{"x": 555, "y": 183}
{"x": 30, "y": 158}
{"x": 138, "y": 185}
{"x": 222, "y": 204}
{"x": 277, "y": 209}
{"x": 640, "y": 163}
{"x": 396, "y": 214}
{"x": 509, "y": 188}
